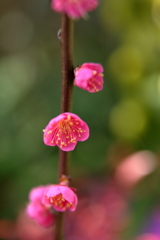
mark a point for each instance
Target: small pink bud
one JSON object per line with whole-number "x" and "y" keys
{"x": 36, "y": 210}
{"x": 89, "y": 77}
{"x": 74, "y": 8}
{"x": 61, "y": 198}
{"x": 41, "y": 214}
{"x": 65, "y": 131}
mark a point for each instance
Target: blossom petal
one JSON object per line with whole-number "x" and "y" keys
{"x": 74, "y": 9}
{"x": 96, "y": 66}
{"x": 36, "y": 193}
{"x": 69, "y": 147}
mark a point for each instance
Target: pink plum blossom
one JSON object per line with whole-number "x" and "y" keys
{"x": 74, "y": 8}
{"x": 65, "y": 131}
{"x": 36, "y": 210}
{"x": 89, "y": 77}
{"x": 60, "y": 197}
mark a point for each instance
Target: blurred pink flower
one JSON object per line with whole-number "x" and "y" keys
{"x": 61, "y": 198}
{"x": 36, "y": 210}
{"x": 65, "y": 131}
{"x": 101, "y": 214}
{"x": 89, "y": 77}
{"x": 74, "y": 8}
{"x": 135, "y": 167}
{"x": 148, "y": 236}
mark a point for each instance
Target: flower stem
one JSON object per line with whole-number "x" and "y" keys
{"x": 66, "y": 101}
{"x": 67, "y": 81}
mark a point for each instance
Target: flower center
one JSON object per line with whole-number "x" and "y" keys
{"x": 60, "y": 202}
{"x": 65, "y": 125}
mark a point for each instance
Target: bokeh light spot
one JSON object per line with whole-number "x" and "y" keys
{"x": 17, "y": 73}
{"x": 134, "y": 167}
{"x": 156, "y": 12}
{"x": 127, "y": 119}
{"x": 126, "y": 64}
{"x": 151, "y": 91}
{"x": 113, "y": 14}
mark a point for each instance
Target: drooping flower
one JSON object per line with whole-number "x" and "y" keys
{"x": 65, "y": 131}
{"x": 60, "y": 197}
{"x": 89, "y": 77}
{"x": 36, "y": 210}
{"x": 74, "y": 8}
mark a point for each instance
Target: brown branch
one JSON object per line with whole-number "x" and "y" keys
{"x": 67, "y": 64}
{"x": 67, "y": 81}
{"x": 65, "y": 37}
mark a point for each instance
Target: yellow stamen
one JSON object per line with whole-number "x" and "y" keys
{"x": 69, "y": 117}
{"x": 49, "y": 132}
{"x": 101, "y": 75}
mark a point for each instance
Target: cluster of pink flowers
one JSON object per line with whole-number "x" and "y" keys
{"x": 45, "y": 199}
{"x": 66, "y": 129}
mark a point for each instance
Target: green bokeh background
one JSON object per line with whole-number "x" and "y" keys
{"x": 124, "y": 36}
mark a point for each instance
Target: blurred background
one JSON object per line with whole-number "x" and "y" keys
{"x": 120, "y": 162}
